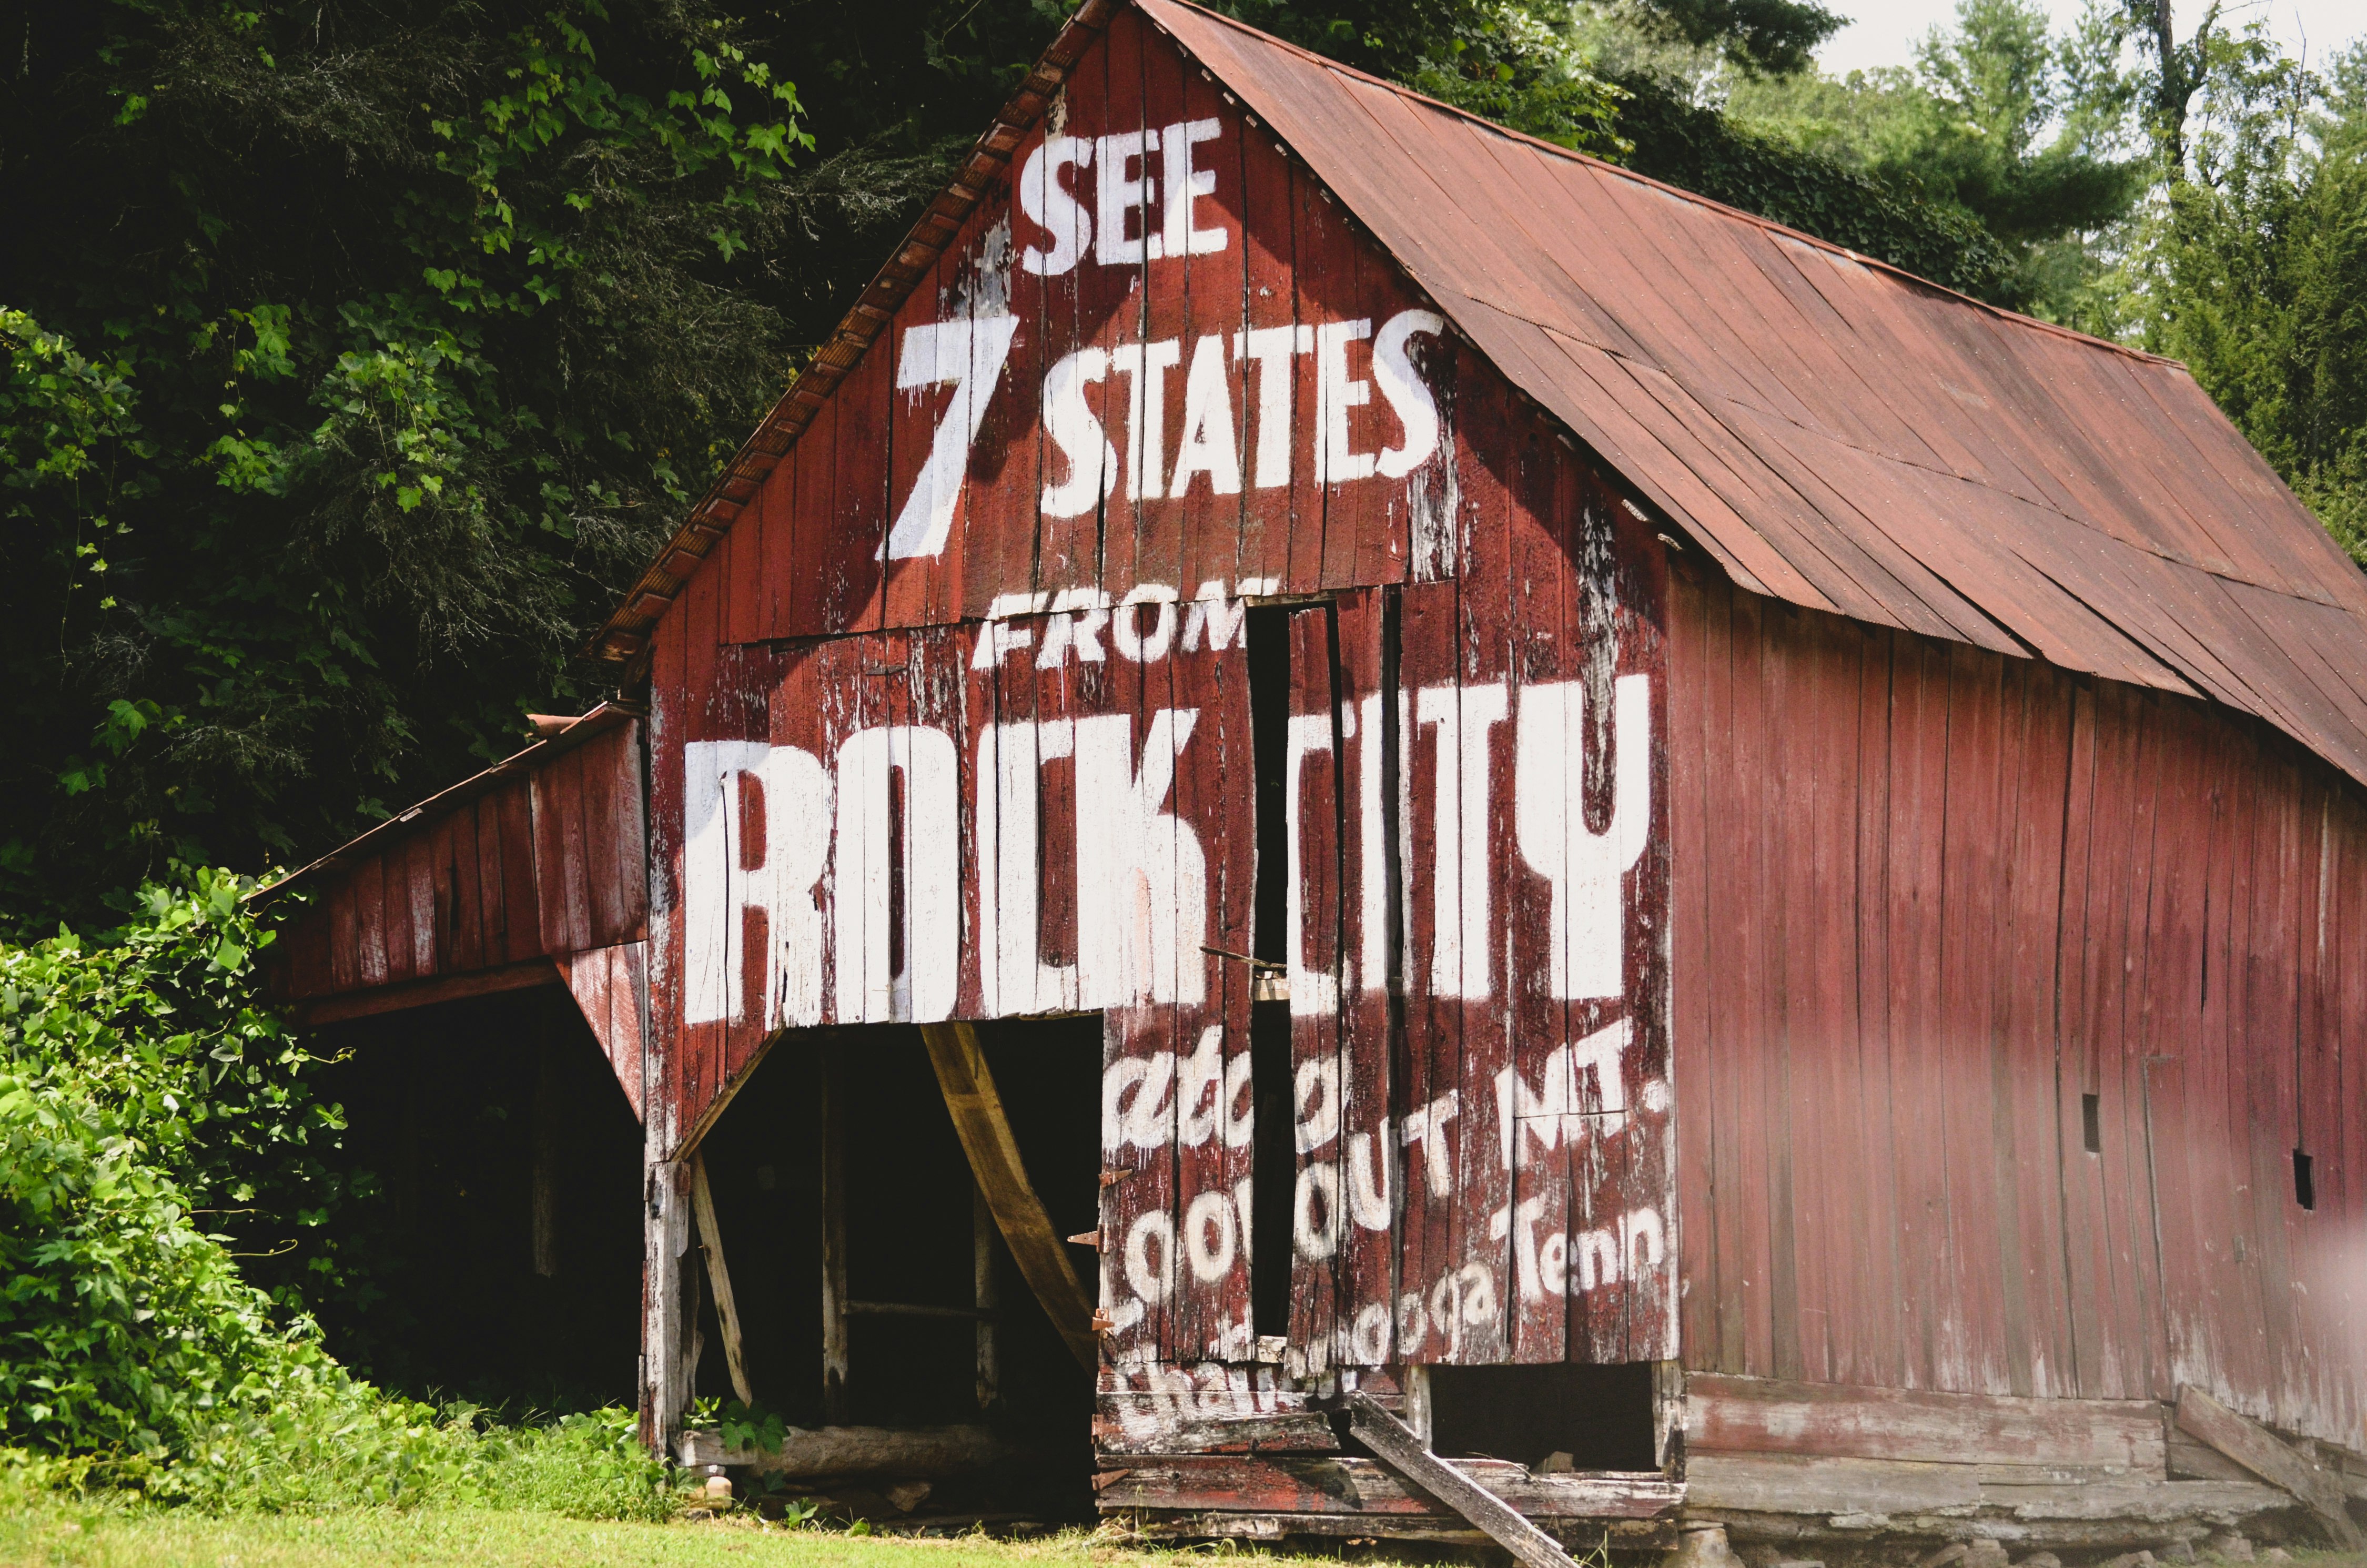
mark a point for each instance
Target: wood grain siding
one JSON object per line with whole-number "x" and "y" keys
{"x": 540, "y": 858}
{"x": 1927, "y": 898}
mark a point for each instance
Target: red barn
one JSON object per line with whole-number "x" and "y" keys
{"x": 1580, "y": 831}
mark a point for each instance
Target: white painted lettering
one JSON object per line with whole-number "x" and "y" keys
{"x": 1208, "y": 1239}
{"x": 1012, "y": 975}
{"x": 1145, "y": 365}
{"x": 970, "y": 355}
{"x": 1070, "y": 420}
{"x": 1072, "y": 631}
{"x": 1588, "y": 918}
{"x": 1337, "y": 392}
{"x": 1209, "y": 445}
{"x": 1460, "y": 885}
{"x": 1142, "y": 879}
{"x": 1151, "y": 1277}
{"x": 1271, "y": 349}
{"x": 1049, "y": 206}
{"x": 1184, "y": 186}
{"x": 1123, "y": 203}
{"x": 1314, "y": 993}
{"x": 1126, "y": 630}
{"x": 1199, "y": 1088}
{"x": 1426, "y": 1125}
{"x": 1408, "y": 394}
{"x": 1214, "y": 616}
{"x": 719, "y": 887}
{"x": 1315, "y": 1212}
{"x": 1369, "y": 1158}
{"x": 923, "y": 990}
{"x": 1315, "y": 1097}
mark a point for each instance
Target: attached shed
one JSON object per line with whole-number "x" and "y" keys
{"x": 1721, "y": 885}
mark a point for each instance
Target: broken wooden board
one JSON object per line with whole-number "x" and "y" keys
{"x": 1287, "y": 1431}
{"x": 2265, "y": 1455}
{"x": 1576, "y": 1535}
{"x": 812, "y": 1453}
{"x": 718, "y": 1277}
{"x": 1295, "y": 1483}
{"x": 977, "y": 1111}
{"x": 1765, "y": 1415}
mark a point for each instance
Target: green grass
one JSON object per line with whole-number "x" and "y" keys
{"x": 58, "y": 1534}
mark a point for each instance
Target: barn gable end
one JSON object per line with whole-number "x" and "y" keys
{"x": 1188, "y": 407}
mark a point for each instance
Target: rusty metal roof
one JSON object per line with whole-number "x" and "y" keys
{"x": 1835, "y": 432}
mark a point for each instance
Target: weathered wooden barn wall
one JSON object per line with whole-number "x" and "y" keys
{"x": 954, "y": 723}
{"x": 539, "y": 858}
{"x": 1926, "y": 899}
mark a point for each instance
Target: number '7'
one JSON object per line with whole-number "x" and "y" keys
{"x": 969, "y": 354}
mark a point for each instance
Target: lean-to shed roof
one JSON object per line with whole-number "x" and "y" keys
{"x": 1836, "y": 433}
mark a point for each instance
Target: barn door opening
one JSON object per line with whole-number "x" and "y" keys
{"x": 491, "y": 1229}
{"x": 1328, "y": 943}
{"x": 875, "y": 1293}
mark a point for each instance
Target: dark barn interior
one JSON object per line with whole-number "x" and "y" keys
{"x": 492, "y": 1232}
{"x": 913, "y": 1321}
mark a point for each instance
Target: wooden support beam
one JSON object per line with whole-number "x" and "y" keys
{"x": 2265, "y": 1455}
{"x": 421, "y": 992}
{"x": 727, "y": 1311}
{"x": 834, "y": 1233}
{"x": 982, "y": 1267}
{"x": 1394, "y": 1444}
{"x": 666, "y": 1359}
{"x": 985, "y": 1131}
{"x": 812, "y": 1453}
{"x": 544, "y": 1179}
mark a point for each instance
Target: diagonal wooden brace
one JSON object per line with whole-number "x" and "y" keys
{"x": 1396, "y": 1446}
{"x": 2267, "y": 1456}
{"x": 985, "y": 1133}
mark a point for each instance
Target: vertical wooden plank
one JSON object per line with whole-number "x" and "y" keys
{"x": 831, "y": 1107}
{"x": 1129, "y": 314}
{"x": 1312, "y": 933}
{"x": 345, "y": 923}
{"x": 396, "y": 926}
{"x": 1555, "y": 1159}
{"x": 1973, "y": 1351}
{"x": 1431, "y": 1108}
{"x": 1372, "y": 1179}
{"x": 1215, "y": 315}
{"x": 521, "y": 902}
{"x": 1885, "y": 1272}
{"x": 1917, "y": 813}
{"x": 1272, "y": 391}
{"x": 2126, "y": 1069}
{"x": 370, "y": 924}
{"x": 2089, "y": 1282}
{"x": 1694, "y": 760}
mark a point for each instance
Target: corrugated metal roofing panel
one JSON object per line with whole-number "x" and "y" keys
{"x": 1836, "y": 433}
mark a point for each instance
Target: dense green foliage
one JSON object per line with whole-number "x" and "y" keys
{"x": 2254, "y": 271}
{"x": 150, "y": 1117}
{"x": 140, "y": 1093}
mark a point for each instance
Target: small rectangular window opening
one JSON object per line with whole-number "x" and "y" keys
{"x": 2092, "y": 1125}
{"x": 2304, "y": 1180}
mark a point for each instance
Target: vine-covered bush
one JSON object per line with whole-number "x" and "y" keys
{"x": 146, "y": 1101}
{"x": 142, "y": 1093}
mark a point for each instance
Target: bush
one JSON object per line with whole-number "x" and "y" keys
{"x": 141, "y": 1089}
{"x": 138, "y": 1086}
